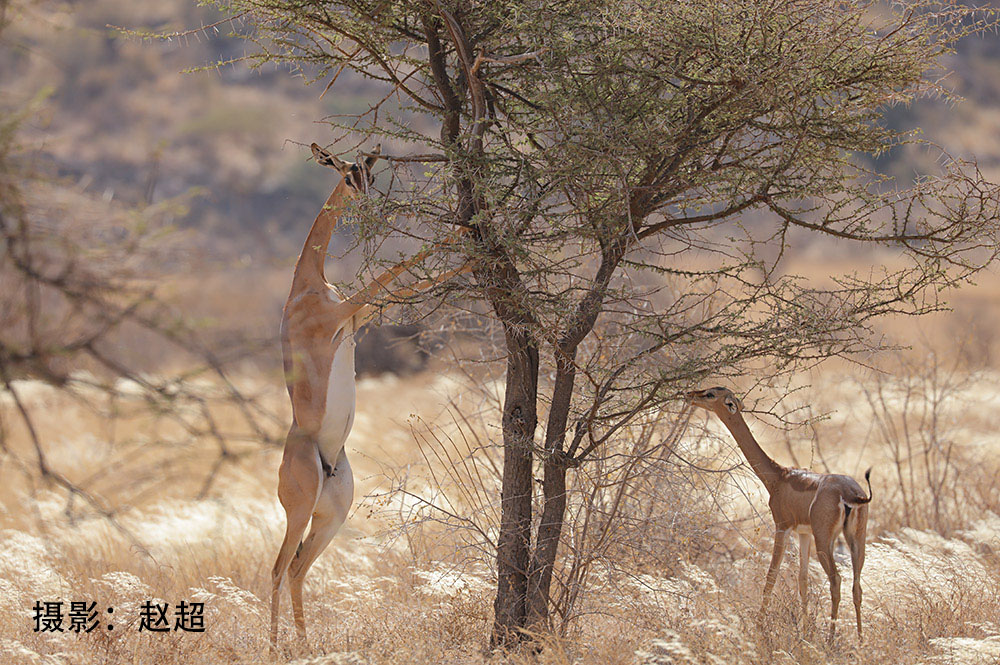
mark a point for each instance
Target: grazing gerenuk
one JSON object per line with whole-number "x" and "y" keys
{"x": 821, "y": 504}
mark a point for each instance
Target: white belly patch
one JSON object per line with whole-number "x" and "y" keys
{"x": 338, "y": 416}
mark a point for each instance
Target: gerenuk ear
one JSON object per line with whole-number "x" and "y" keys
{"x": 374, "y": 157}
{"x": 326, "y": 158}
{"x": 732, "y": 403}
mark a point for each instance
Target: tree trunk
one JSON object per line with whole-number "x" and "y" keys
{"x": 554, "y": 480}
{"x": 554, "y": 492}
{"x": 519, "y": 422}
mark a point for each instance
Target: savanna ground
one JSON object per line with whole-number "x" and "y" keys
{"x": 681, "y": 585}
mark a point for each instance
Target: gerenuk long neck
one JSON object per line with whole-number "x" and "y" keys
{"x": 309, "y": 268}
{"x": 766, "y": 468}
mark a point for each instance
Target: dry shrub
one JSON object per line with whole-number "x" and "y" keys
{"x": 927, "y": 415}
{"x": 636, "y": 517}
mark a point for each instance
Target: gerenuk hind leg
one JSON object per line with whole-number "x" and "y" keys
{"x": 299, "y": 480}
{"x": 329, "y": 515}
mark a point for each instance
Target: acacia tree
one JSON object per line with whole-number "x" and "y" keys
{"x": 629, "y": 176}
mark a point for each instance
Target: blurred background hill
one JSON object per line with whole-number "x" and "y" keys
{"x": 131, "y": 123}
{"x": 121, "y": 119}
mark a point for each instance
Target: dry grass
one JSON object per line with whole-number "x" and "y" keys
{"x": 930, "y": 592}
